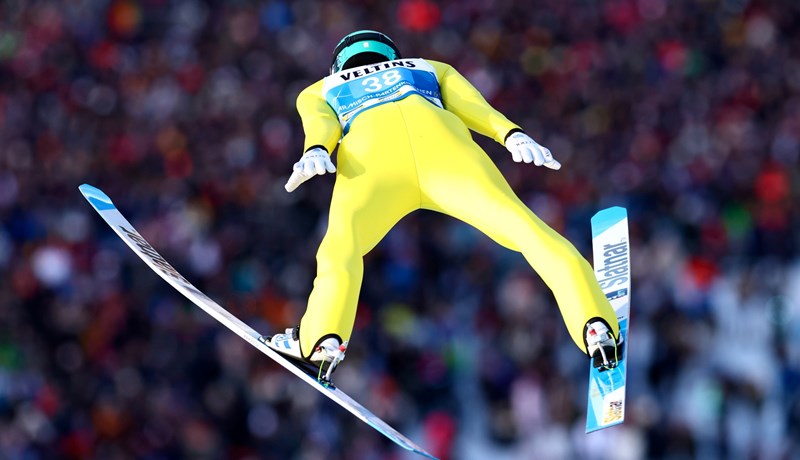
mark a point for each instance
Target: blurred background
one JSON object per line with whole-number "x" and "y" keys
{"x": 686, "y": 112}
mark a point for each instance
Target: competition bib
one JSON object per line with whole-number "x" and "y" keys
{"x": 352, "y": 91}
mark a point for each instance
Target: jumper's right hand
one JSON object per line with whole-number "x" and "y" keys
{"x": 314, "y": 162}
{"x": 525, "y": 149}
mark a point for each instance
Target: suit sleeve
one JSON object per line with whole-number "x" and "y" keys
{"x": 320, "y": 124}
{"x": 464, "y": 100}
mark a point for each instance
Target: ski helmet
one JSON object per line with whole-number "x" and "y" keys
{"x": 361, "y": 48}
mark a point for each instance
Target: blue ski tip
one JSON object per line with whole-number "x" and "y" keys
{"x": 96, "y": 197}
{"x": 606, "y": 218}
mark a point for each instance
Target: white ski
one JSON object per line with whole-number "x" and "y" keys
{"x": 612, "y": 266}
{"x": 103, "y": 205}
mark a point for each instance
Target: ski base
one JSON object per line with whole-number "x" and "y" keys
{"x": 611, "y": 248}
{"x": 104, "y": 206}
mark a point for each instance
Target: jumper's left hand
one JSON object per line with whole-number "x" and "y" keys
{"x": 315, "y": 162}
{"x": 525, "y": 149}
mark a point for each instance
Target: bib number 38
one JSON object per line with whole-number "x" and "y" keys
{"x": 377, "y": 83}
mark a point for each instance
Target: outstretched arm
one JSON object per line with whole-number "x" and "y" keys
{"x": 320, "y": 123}
{"x": 464, "y": 100}
{"x": 322, "y": 130}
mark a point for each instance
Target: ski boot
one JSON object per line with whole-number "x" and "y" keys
{"x": 322, "y": 362}
{"x": 601, "y": 347}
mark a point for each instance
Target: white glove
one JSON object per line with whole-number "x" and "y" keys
{"x": 314, "y": 162}
{"x": 523, "y": 148}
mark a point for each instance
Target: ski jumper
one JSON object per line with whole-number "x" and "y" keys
{"x": 405, "y": 145}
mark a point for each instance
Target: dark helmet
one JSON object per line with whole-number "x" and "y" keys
{"x": 361, "y": 48}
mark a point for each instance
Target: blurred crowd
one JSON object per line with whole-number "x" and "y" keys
{"x": 687, "y": 112}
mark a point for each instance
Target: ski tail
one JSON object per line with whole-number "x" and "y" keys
{"x": 611, "y": 250}
{"x": 104, "y": 206}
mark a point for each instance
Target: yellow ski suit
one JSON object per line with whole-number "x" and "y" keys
{"x": 410, "y": 154}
